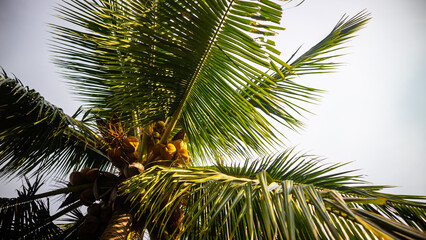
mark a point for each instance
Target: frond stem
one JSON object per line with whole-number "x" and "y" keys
{"x": 51, "y": 193}
{"x": 178, "y": 111}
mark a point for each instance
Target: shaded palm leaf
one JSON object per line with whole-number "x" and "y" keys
{"x": 36, "y": 136}
{"x": 27, "y": 220}
{"x": 73, "y": 220}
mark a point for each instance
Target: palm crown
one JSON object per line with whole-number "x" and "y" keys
{"x": 157, "y": 75}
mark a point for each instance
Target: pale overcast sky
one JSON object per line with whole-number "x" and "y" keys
{"x": 373, "y": 113}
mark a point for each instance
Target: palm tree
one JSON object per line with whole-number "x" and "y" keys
{"x": 180, "y": 98}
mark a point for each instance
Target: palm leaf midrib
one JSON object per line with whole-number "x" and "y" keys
{"x": 198, "y": 69}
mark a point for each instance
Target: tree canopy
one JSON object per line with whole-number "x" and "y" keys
{"x": 202, "y": 73}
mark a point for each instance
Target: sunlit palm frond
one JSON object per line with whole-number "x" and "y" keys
{"x": 321, "y": 58}
{"x": 212, "y": 63}
{"x": 298, "y": 167}
{"x": 309, "y": 169}
{"x": 318, "y": 58}
{"x": 218, "y": 205}
{"x": 36, "y": 136}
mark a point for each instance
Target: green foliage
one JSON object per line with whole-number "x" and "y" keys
{"x": 212, "y": 62}
{"x": 35, "y": 135}
{"x": 211, "y": 66}
{"x": 246, "y": 202}
{"x": 28, "y": 220}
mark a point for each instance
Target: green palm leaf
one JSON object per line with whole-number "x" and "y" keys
{"x": 246, "y": 202}
{"x": 36, "y": 136}
{"x": 317, "y": 59}
{"x": 204, "y": 63}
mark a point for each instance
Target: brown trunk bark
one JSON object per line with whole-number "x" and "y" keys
{"x": 118, "y": 226}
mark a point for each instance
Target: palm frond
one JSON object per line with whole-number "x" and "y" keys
{"x": 73, "y": 220}
{"x": 36, "y": 136}
{"x": 298, "y": 167}
{"x": 218, "y": 205}
{"x": 309, "y": 169}
{"x": 318, "y": 58}
{"x": 29, "y": 220}
{"x": 211, "y": 63}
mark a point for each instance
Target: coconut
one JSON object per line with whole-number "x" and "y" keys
{"x": 131, "y": 157}
{"x": 183, "y": 152}
{"x": 168, "y": 151}
{"x": 133, "y": 169}
{"x": 87, "y": 197}
{"x": 77, "y": 178}
{"x": 91, "y": 175}
{"x": 111, "y": 176}
{"x": 115, "y": 153}
{"x": 91, "y": 223}
{"x": 94, "y": 209}
{"x": 105, "y": 215}
{"x": 182, "y": 157}
{"x": 127, "y": 146}
{"x": 156, "y": 149}
{"x": 156, "y": 135}
{"x": 134, "y": 141}
{"x": 85, "y": 170}
{"x": 160, "y": 125}
{"x": 101, "y": 230}
{"x": 84, "y": 233}
{"x": 158, "y": 158}
{"x": 178, "y": 144}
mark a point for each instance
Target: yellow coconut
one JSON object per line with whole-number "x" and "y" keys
{"x": 134, "y": 141}
{"x": 168, "y": 151}
{"x": 156, "y": 135}
{"x": 183, "y": 156}
{"x": 178, "y": 144}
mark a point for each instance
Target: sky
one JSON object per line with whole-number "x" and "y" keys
{"x": 373, "y": 114}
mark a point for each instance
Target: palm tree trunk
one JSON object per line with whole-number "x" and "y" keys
{"x": 118, "y": 226}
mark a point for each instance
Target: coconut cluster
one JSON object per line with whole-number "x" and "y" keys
{"x": 89, "y": 176}
{"x": 85, "y": 176}
{"x": 173, "y": 153}
{"x": 122, "y": 150}
{"x": 100, "y": 196}
{"x": 95, "y": 222}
